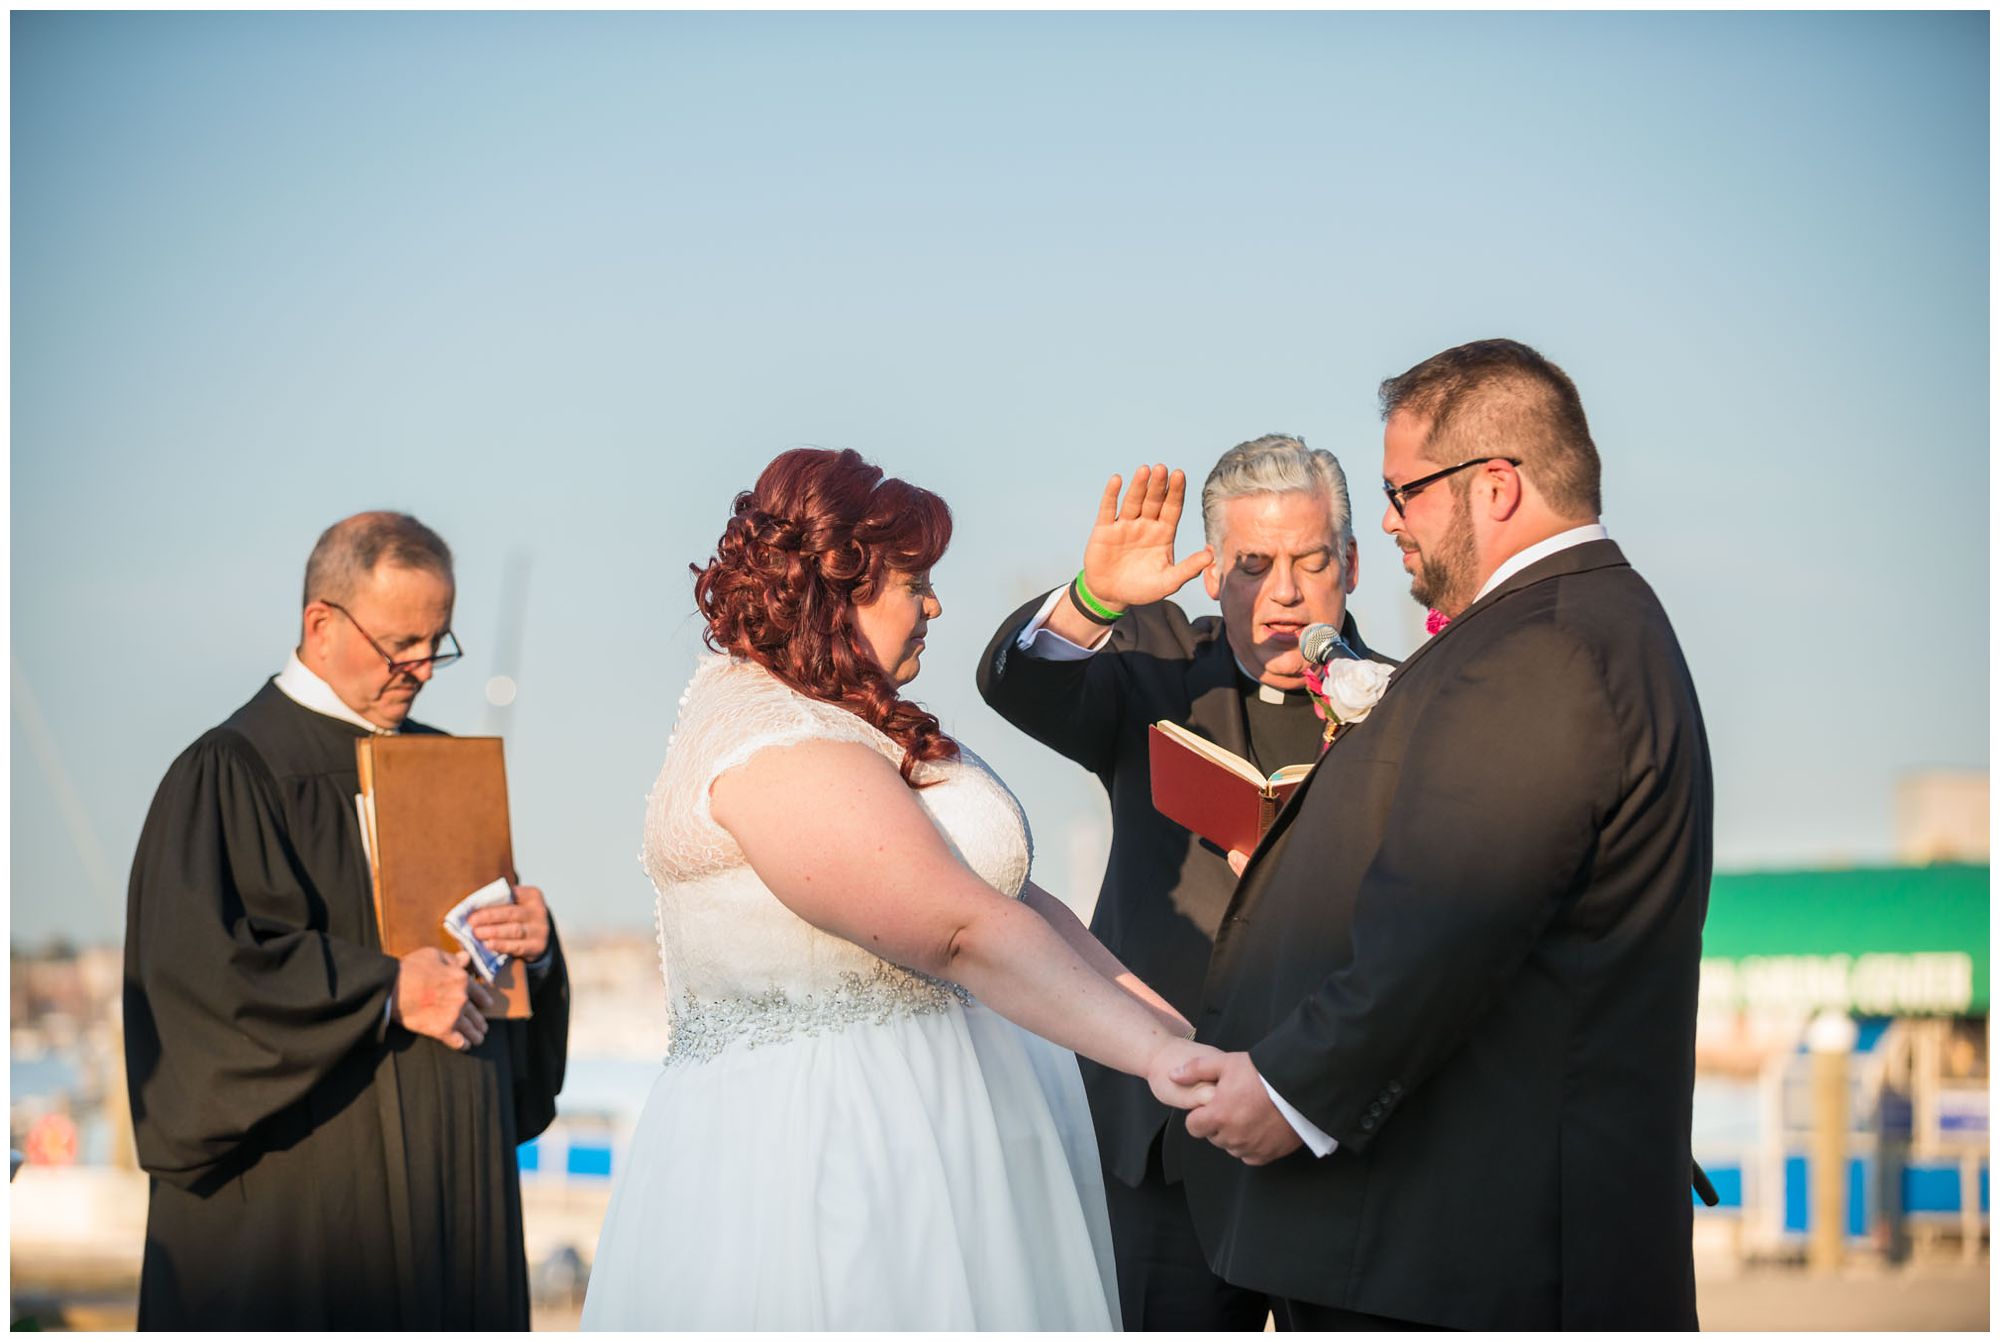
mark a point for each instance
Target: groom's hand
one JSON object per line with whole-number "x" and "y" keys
{"x": 1171, "y": 1058}
{"x": 1241, "y": 1118}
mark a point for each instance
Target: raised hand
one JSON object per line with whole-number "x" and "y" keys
{"x": 1174, "y": 1056}
{"x": 1240, "y": 1117}
{"x": 434, "y": 997}
{"x": 1129, "y": 558}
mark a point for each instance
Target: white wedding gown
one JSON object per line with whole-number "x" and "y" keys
{"x": 836, "y": 1142}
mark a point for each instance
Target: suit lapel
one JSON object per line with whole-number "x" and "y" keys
{"x": 1576, "y": 559}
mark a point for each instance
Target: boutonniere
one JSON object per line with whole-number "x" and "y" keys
{"x": 1344, "y": 691}
{"x": 1435, "y": 622}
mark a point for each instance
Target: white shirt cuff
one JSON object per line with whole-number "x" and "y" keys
{"x": 1038, "y": 640}
{"x": 1318, "y": 1142}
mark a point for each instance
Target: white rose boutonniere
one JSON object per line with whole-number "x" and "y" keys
{"x": 1352, "y": 688}
{"x": 1346, "y": 691}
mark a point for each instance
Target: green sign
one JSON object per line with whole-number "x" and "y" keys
{"x": 1887, "y": 941}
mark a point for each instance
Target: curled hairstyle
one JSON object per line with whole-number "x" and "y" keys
{"x": 820, "y": 534}
{"x": 1501, "y": 398}
{"x": 1278, "y": 463}
{"x": 349, "y": 550}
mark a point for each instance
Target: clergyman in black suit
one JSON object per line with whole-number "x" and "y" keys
{"x": 1467, "y": 952}
{"x": 1085, "y": 670}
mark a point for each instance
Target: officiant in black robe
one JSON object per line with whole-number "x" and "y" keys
{"x": 330, "y": 1130}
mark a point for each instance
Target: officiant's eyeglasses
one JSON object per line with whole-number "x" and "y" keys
{"x": 447, "y": 647}
{"x": 1401, "y": 494}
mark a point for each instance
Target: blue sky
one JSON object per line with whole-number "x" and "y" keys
{"x": 560, "y": 285}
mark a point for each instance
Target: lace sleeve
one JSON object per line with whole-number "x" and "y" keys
{"x": 731, "y": 711}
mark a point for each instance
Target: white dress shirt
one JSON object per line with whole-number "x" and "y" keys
{"x": 1540, "y": 550}
{"x": 1038, "y": 640}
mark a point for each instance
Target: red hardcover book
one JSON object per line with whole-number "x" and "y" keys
{"x": 1215, "y": 792}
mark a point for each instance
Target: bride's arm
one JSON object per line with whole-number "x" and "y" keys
{"x": 1099, "y": 957}
{"x": 834, "y": 832}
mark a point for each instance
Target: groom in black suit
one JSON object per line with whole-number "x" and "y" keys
{"x": 1084, "y": 670}
{"x": 1467, "y": 952}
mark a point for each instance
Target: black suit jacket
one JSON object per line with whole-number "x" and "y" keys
{"x": 1468, "y": 950}
{"x": 1164, "y": 888}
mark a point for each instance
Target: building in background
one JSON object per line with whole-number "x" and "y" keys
{"x": 1943, "y": 815}
{"x": 1904, "y": 952}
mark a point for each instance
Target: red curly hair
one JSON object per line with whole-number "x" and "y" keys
{"x": 820, "y": 534}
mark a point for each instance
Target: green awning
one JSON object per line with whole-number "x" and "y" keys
{"x": 1880, "y": 941}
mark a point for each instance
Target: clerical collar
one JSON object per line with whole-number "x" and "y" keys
{"x": 1556, "y": 544}
{"x": 1269, "y": 694}
{"x": 303, "y": 687}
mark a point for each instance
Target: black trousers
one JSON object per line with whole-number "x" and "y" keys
{"x": 1164, "y": 1284}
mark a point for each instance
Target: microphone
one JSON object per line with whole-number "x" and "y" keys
{"x": 1320, "y": 642}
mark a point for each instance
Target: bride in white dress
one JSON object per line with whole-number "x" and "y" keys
{"x": 853, "y": 1129}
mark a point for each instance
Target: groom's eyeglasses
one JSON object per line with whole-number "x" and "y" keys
{"x": 445, "y": 650}
{"x": 1401, "y": 494}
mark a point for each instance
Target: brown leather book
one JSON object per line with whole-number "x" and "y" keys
{"x": 1215, "y": 792}
{"x": 434, "y": 809}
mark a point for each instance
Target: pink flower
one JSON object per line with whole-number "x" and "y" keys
{"x": 1316, "y": 684}
{"x": 1435, "y": 621}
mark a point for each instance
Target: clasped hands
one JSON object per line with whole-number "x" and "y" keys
{"x": 437, "y": 995}
{"x": 1226, "y": 1101}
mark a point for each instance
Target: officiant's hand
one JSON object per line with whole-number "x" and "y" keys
{"x": 1171, "y": 1057}
{"x": 1129, "y": 558}
{"x": 1241, "y": 1118}
{"x": 433, "y": 997}
{"x": 520, "y": 929}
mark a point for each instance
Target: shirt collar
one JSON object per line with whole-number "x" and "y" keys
{"x": 1269, "y": 694}
{"x": 1540, "y": 550}
{"x": 304, "y": 687}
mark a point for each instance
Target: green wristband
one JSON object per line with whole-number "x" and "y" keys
{"x": 1090, "y": 605}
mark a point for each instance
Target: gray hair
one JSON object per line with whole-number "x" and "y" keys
{"x": 349, "y": 550}
{"x": 1276, "y": 464}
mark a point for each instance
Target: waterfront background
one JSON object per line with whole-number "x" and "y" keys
{"x": 560, "y": 284}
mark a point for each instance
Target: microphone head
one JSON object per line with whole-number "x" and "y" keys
{"x": 1319, "y": 642}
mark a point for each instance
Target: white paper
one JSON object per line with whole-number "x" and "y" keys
{"x": 485, "y": 963}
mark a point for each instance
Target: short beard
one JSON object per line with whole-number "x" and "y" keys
{"x": 1443, "y": 580}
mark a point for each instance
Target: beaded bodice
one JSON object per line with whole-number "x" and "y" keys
{"x": 739, "y": 967}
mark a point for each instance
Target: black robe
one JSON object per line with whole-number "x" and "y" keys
{"x": 312, "y": 1165}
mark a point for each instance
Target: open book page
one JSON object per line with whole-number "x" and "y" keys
{"x": 1229, "y": 759}
{"x": 1208, "y": 750}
